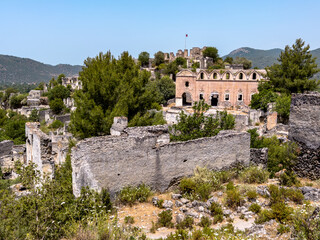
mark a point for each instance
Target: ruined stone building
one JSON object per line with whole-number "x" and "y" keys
{"x": 74, "y": 82}
{"x": 230, "y": 87}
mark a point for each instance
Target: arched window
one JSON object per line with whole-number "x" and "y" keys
{"x": 227, "y": 97}
{"x": 254, "y": 76}
{"x": 241, "y": 76}
{"x": 214, "y": 75}
{"x": 187, "y": 84}
{"x": 201, "y": 75}
{"x": 228, "y": 76}
{"x": 201, "y": 96}
{"x": 240, "y": 97}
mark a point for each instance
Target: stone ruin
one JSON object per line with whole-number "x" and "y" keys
{"x": 44, "y": 150}
{"x": 146, "y": 155}
{"x": 9, "y": 154}
{"x": 304, "y": 125}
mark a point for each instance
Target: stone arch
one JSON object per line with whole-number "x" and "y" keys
{"x": 186, "y": 99}
{"x": 227, "y": 76}
{"x": 202, "y": 75}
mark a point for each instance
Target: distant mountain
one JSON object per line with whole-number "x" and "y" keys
{"x": 19, "y": 70}
{"x": 264, "y": 58}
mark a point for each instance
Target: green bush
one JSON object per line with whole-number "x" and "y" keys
{"x": 252, "y": 195}
{"x": 288, "y": 178}
{"x": 205, "y": 222}
{"x": 199, "y": 186}
{"x": 234, "y": 198}
{"x": 281, "y": 212}
{"x": 130, "y": 195}
{"x": 186, "y": 223}
{"x": 306, "y": 224}
{"x": 216, "y": 212}
{"x": 283, "y": 228}
{"x": 198, "y": 125}
{"x": 56, "y": 105}
{"x": 165, "y": 219}
{"x": 294, "y": 195}
{"x": 254, "y": 174}
{"x": 56, "y": 124}
{"x": 254, "y": 207}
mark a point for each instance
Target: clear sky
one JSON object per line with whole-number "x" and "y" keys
{"x": 69, "y": 31}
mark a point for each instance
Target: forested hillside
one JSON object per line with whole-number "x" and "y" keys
{"x": 19, "y": 70}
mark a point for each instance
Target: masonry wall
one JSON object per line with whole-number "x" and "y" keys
{"x": 305, "y": 130}
{"x": 114, "y": 162}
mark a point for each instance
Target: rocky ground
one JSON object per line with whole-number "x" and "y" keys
{"x": 241, "y": 218}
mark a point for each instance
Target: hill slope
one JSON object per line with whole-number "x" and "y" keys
{"x": 19, "y": 70}
{"x": 264, "y": 58}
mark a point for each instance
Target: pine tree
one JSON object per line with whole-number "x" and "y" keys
{"x": 293, "y": 73}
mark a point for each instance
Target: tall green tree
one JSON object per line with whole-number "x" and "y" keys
{"x": 144, "y": 59}
{"x": 158, "y": 58}
{"x": 295, "y": 68}
{"x": 211, "y": 52}
{"x": 242, "y": 60}
{"x": 111, "y": 87}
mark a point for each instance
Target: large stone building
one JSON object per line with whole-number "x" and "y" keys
{"x": 230, "y": 87}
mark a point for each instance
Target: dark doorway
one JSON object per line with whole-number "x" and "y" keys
{"x": 186, "y": 99}
{"x": 214, "y": 100}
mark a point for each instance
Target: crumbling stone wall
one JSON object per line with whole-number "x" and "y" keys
{"x": 304, "y": 129}
{"x": 259, "y": 156}
{"x": 9, "y": 154}
{"x": 44, "y": 150}
{"x": 113, "y": 162}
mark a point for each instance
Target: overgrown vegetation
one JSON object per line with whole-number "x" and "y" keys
{"x": 130, "y": 195}
{"x": 198, "y": 125}
{"x": 293, "y": 74}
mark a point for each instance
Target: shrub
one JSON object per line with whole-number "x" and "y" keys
{"x": 234, "y": 199}
{"x": 199, "y": 186}
{"x": 264, "y": 216}
{"x": 56, "y": 124}
{"x": 129, "y": 194}
{"x": 165, "y": 219}
{"x": 128, "y": 220}
{"x": 186, "y": 223}
{"x": 254, "y": 174}
{"x": 281, "y": 212}
{"x": 254, "y": 207}
{"x": 187, "y": 186}
{"x": 306, "y": 224}
{"x": 252, "y": 194}
{"x": 294, "y": 195}
{"x": 159, "y": 203}
{"x": 217, "y": 212}
{"x": 288, "y": 178}
{"x": 205, "y": 222}
{"x": 283, "y": 229}
{"x": 56, "y": 105}
{"x": 230, "y": 186}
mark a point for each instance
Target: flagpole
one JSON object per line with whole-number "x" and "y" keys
{"x": 185, "y": 42}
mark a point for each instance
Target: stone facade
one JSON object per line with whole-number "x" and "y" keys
{"x": 145, "y": 156}
{"x": 304, "y": 129}
{"x": 221, "y": 88}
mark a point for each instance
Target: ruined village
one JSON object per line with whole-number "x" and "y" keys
{"x": 215, "y": 166}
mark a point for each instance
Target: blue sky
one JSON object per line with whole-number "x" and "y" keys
{"x": 69, "y": 31}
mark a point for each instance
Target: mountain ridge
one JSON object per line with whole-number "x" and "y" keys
{"x": 25, "y": 70}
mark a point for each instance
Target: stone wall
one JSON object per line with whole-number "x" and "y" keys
{"x": 44, "y": 150}
{"x": 9, "y": 154}
{"x": 304, "y": 129}
{"x": 259, "y": 156}
{"x": 143, "y": 157}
